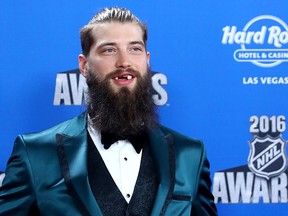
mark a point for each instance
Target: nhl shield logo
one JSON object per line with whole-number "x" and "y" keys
{"x": 267, "y": 156}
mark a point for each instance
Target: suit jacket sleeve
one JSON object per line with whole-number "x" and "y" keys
{"x": 17, "y": 194}
{"x": 204, "y": 204}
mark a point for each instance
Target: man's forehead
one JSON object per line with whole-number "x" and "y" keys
{"x": 117, "y": 32}
{"x": 111, "y": 27}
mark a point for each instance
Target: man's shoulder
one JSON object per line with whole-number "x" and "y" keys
{"x": 181, "y": 138}
{"x": 74, "y": 124}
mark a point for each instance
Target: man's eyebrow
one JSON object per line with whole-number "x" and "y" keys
{"x": 106, "y": 44}
{"x": 137, "y": 42}
{"x": 115, "y": 44}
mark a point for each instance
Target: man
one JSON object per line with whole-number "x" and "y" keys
{"x": 115, "y": 159}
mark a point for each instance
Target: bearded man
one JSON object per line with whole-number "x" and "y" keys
{"x": 114, "y": 159}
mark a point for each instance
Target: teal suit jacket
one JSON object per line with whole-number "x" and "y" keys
{"x": 47, "y": 172}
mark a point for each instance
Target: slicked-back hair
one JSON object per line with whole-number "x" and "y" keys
{"x": 108, "y": 15}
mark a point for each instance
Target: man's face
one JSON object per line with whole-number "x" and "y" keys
{"x": 117, "y": 52}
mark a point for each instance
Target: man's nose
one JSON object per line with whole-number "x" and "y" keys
{"x": 123, "y": 60}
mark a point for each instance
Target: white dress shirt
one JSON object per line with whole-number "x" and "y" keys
{"x": 121, "y": 160}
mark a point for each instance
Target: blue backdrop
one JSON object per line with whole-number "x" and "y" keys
{"x": 222, "y": 76}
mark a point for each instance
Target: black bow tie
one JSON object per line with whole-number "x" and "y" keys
{"x": 107, "y": 139}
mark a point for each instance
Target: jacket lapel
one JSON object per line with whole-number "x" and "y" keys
{"x": 163, "y": 151}
{"x": 72, "y": 151}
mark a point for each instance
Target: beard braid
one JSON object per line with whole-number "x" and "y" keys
{"x": 123, "y": 113}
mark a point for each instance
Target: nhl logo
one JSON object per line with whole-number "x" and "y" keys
{"x": 267, "y": 156}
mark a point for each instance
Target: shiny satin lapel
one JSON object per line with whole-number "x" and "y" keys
{"x": 72, "y": 151}
{"x": 162, "y": 148}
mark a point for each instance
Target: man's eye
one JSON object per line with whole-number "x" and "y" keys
{"x": 136, "y": 49}
{"x": 109, "y": 50}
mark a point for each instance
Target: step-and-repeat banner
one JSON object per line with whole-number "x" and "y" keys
{"x": 220, "y": 73}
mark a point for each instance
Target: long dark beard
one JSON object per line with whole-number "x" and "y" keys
{"x": 123, "y": 113}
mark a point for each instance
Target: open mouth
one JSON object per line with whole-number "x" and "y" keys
{"x": 124, "y": 76}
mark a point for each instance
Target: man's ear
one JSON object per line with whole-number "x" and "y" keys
{"x": 82, "y": 63}
{"x": 148, "y": 58}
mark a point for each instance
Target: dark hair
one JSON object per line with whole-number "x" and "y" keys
{"x": 106, "y": 15}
